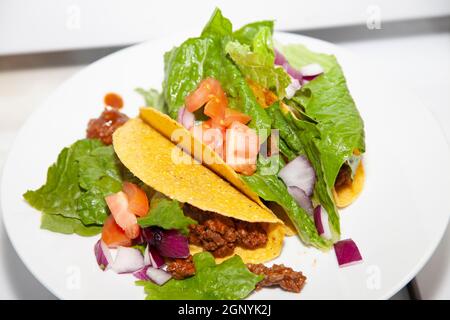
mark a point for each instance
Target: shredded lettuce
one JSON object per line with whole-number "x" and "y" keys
{"x": 167, "y": 214}
{"x": 228, "y": 280}
{"x": 76, "y": 185}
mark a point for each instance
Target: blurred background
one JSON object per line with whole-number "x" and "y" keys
{"x": 44, "y": 42}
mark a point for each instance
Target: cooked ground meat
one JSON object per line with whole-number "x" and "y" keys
{"x": 104, "y": 126}
{"x": 278, "y": 275}
{"x": 181, "y": 268}
{"x": 250, "y": 235}
{"x": 344, "y": 176}
{"x": 220, "y": 235}
{"x": 216, "y": 235}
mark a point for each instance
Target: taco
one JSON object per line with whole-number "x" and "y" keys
{"x": 237, "y": 81}
{"x": 255, "y": 233}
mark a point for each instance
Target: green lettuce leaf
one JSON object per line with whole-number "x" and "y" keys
{"x": 76, "y": 185}
{"x": 257, "y": 62}
{"x": 311, "y": 138}
{"x": 267, "y": 185}
{"x": 228, "y": 280}
{"x": 60, "y": 224}
{"x": 338, "y": 120}
{"x": 299, "y": 56}
{"x": 198, "y": 58}
{"x": 167, "y": 214}
{"x": 153, "y": 98}
{"x": 247, "y": 33}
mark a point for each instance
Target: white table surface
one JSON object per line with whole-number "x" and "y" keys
{"x": 417, "y": 53}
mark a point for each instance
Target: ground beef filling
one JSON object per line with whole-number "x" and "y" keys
{"x": 277, "y": 275}
{"x": 220, "y": 235}
{"x": 344, "y": 177}
{"x": 103, "y": 127}
{"x": 181, "y": 268}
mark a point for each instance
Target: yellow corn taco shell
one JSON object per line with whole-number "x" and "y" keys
{"x": 345, "y": 195}
{"x": 150, "y": 157}
{"x": 178, "y": 134}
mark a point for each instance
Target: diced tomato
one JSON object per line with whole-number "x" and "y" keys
{"x": 208, "y": 92}
{"x": 137, "y": 199}
{"x": 242, "y": 148}
{"x": 210, "y": 134}
{"x": 118, "y": 205}
{"x": 215, "y": 108}
{"x": 113, "y": 235}
{"x": 232, "y": 115}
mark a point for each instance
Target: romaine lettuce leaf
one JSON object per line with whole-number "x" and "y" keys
{"x": 60, "y": 224}
{"x": 167, "y": 214}
{"x": 153, "y": 98}
{"x": 228, "y": 280}
{"x": 76, "y": 185}
{"x": 198, "y": 58}
{"x": 299, "y": 56}
{"x": 256, "y": 62}
{"x": 339, "y": 122}
{"x": 247, "y": 33}
{"x": 311, "y": 137}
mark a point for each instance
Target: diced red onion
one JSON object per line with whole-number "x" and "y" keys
{"x": 153, "y": 258}
{"x": 294, "y": 73}
{"x": 103, "y": 255}
{"x": 311, "y": 70}
{"x": 301, "y": 198}
{"x": 186, "y": 118}
{"x": 299, "y": 173}
{"x": 169, "y": 243}
{"x": 322, "y": 223}
{"x": 347, "y": 253}
{"x": 292, "y": 88}
{"x": 127, "y": 260}
{"x": 279, "y": 58}
{"x": 158, "y": 276}
{"x": 141, "y": 274}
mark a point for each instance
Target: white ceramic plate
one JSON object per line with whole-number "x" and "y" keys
{"x": 397, "y": 221}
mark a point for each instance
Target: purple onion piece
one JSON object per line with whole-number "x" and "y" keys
{"x": 311, "y": 70}
{"x": 318, "y": 219}
{"x": 186, "y": 118}
{"x": 280, "y": 59}
{"x": 301, "y": 198}
{"x": 102, "y": 254}
{"x": 128, "y": 260}
{"x": 168, "y": 243}
{"x": 299, "y": 173}
{"x": 347, "y": 253}
{"x": 158, "y": 276}
{"x": 141, "y": 274}
{"x": 322, "y": 223}
{"x": 156, "y": 259}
